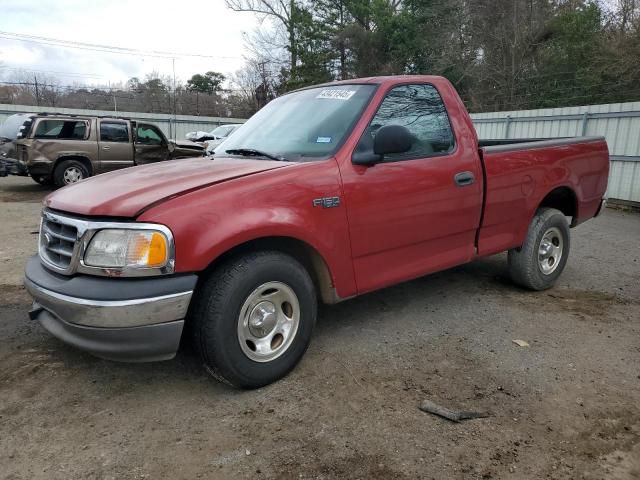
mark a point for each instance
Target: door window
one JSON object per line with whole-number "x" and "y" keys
{"x": 420, "y": 109}
{"x": 61, "y": 129}
{"x": 148, "y": 135}
{"x": 114, "y": 132}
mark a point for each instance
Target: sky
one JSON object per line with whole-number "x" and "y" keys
{"x": 201, "y": 27}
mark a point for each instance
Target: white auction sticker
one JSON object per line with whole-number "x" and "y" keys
{"x": 336, "y": 94}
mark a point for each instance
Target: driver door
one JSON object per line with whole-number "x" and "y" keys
{"x": 407, "y": 215}
{"x": 150, "y": 144}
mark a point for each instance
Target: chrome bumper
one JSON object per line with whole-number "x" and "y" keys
{"x": 105, "y": 317}
{"x": 111, "y": 313}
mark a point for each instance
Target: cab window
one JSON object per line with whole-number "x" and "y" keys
{"x": 420, "y": 109}
{"x": 148, "y": 135}
{"x": 114, "y": 132}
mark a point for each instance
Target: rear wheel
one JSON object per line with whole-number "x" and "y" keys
{"x": 68, "y": 172}
{"x": 543, "y": 255}
{"x": 253, "y": 318}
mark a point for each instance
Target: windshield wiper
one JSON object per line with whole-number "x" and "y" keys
{"x": 252, "y": 152}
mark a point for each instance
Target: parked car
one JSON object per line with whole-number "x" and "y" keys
{"x": 326, "y": 193}
{"x": 211, "y": 145}
{"x": 217, "y": 134}
{"x": 9, "y": 130}
{"x": 64, "y": 149}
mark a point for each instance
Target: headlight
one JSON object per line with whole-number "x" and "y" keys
{"x": 124, "y": 249}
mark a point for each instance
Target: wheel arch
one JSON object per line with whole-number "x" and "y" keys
{"x": 564, "y": 199}
{"x": 80, "y": 158}
{"x": 306, "y": 254}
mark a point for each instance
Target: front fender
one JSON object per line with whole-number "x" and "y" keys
{"x": 211, "y": 221}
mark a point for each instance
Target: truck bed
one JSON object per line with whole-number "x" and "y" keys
{"x": 521, "y": 173}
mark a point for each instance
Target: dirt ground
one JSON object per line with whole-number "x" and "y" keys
{"x": 566, "y": 407}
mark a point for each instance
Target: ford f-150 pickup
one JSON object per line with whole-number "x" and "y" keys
{"x": 326, "y": 193}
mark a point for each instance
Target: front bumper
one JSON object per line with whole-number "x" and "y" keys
{"x": 122, "y": 319}
{"x": 11, "y": 166}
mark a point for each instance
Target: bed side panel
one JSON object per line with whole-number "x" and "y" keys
{"x": 520, "y": 176}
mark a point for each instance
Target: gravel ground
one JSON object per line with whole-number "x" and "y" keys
{"x": 567, "y": 406}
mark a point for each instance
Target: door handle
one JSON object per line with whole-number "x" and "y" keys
{"x": 463, "y": 179}
{"x": 106, "y": 147}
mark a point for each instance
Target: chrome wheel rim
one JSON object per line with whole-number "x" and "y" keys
{"x": 268, "y": 321}
{"x": 72, "y": 175}
{"x": 550, "y": 250}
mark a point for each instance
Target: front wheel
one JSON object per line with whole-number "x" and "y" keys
{"x": 253, "y": 318}
{"x": 543, "y": 255}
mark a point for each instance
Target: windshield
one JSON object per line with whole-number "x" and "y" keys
{"x": 301, "y": 126}
{"x": 11, "y": 126}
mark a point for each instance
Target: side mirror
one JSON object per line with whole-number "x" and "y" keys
{"x": 388, "y": 139}
{"x": 392, "y": 139}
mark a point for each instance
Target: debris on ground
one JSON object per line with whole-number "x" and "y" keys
{"x": 521, "y": 343}
{"x": 431, "y": 407}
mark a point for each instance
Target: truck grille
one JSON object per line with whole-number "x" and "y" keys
{"x": 58, "y": 238}
{"x": 63, "y": 240}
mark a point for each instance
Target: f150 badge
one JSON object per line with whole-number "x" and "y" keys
{"x": 326, "y": 202}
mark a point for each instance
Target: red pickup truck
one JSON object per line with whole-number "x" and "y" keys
{"x": 326, "y": 193}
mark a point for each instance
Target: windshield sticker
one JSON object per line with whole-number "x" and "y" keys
{"x": 323, "y": 140}
{"x": 336, "y": 94}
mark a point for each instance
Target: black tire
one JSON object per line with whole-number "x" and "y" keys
{"x": 215, "y": 318}
{"x": 526, "y": 264}
{"x": 66, "y": 166}
{"x": 42, "y": 179}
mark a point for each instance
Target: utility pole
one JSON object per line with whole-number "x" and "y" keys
{"x": 115, "y": 103}
{"x": 35, "y": 79}
{"x": 173, "y": 65}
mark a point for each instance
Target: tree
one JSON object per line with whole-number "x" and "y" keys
{"x": 254, "y": 86}
{"x": 283, "y": 13}
{"x": 134, "y": 84}
{"x": 565, "y": 64}
{"x": 154, "y": 93}
{"x": 314, "y": 52}
{"x": 210, "y": 82}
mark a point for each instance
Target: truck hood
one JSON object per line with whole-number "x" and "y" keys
{"x": 187, "y": 144}
{"x": 185, "y": 148}
{"x": 128, "y": 192}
